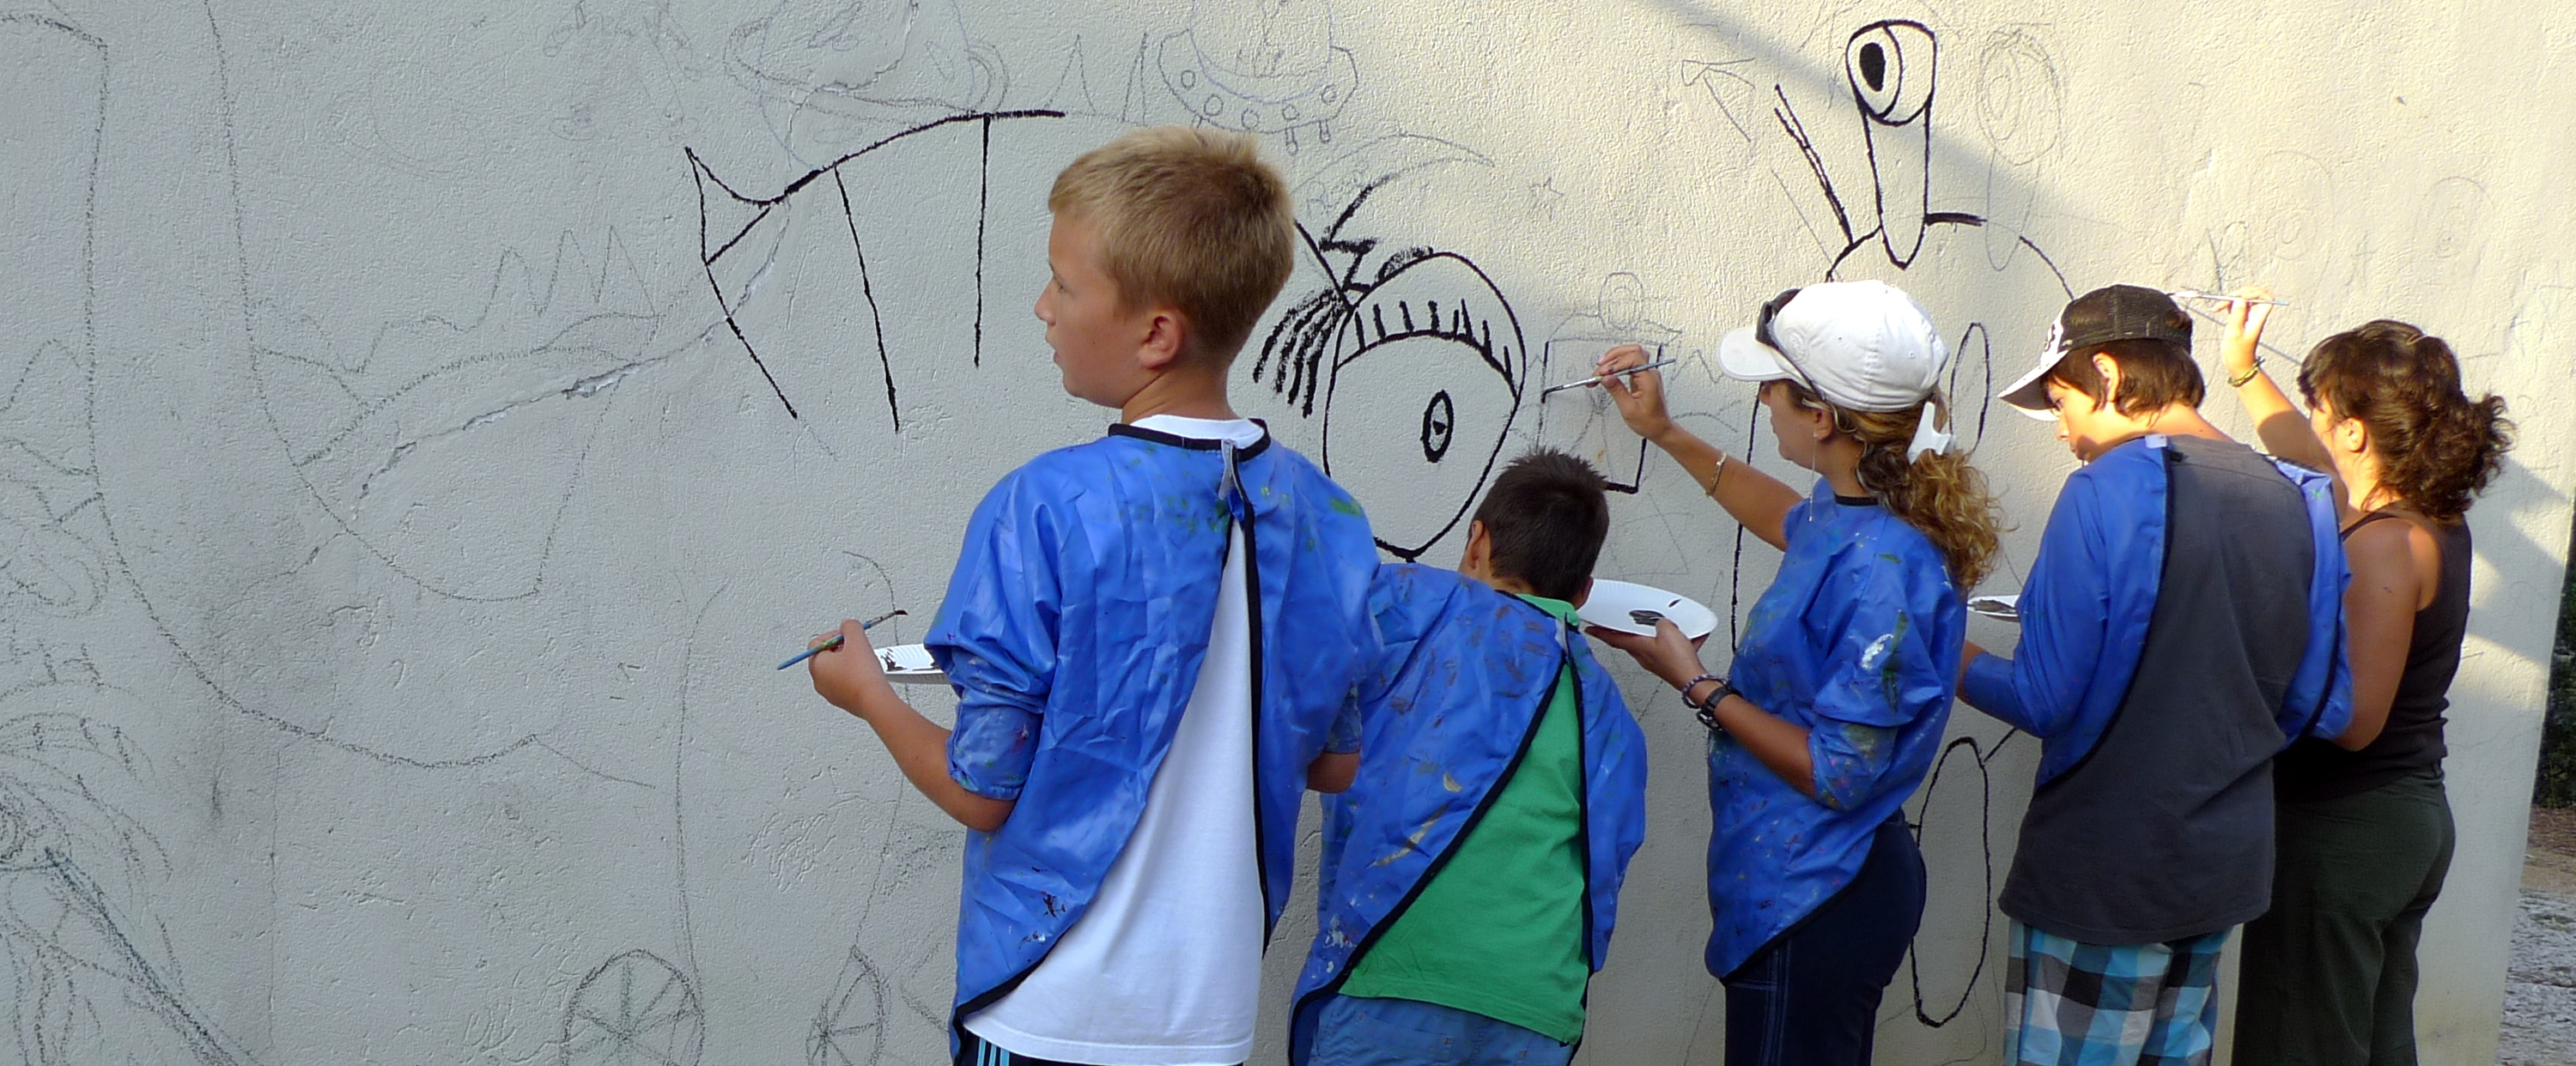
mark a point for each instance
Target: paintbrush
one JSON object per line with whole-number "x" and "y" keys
{"x": 834, "y": 640}
{"x": 2189, "y": 294}
{"x": 1595, "y": 380}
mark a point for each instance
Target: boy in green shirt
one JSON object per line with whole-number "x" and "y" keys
{"x": 1471, "y": 874}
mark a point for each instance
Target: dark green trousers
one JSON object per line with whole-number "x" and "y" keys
{"x": 2329, "y": 973}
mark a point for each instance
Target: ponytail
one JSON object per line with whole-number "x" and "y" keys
{"x": 1937, "y": 492}
{"x": 2437, "y": 449}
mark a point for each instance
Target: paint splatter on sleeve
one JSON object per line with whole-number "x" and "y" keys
{"x": 996, "y": 638}
{"x": 1882, "y": 675}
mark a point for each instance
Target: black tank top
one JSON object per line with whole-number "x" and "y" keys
{"x": 2316, "y": 770}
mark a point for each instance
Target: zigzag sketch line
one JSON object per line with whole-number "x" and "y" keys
{"x": 702, "y": 175}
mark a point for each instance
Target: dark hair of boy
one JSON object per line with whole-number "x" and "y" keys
{"x": 2154, "y": 375}
{"x": 2141, "y": 329}
{"x": 1547, "y": 515}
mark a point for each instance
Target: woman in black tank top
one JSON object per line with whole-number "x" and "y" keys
{"x": 2363, "y": 831}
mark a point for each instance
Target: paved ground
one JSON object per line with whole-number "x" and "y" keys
{"x": 2540, "y": 993}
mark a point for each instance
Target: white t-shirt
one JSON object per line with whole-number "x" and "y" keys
{"x": 1164, "y": 969}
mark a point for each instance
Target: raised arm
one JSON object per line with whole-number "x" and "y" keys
{"x": 1757, "y": 500}
{"x": 2283, "y": 428}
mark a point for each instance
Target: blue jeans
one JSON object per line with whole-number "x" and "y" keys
{"x": 1368, "y": 1031}
{"x": 1810, "y": 996}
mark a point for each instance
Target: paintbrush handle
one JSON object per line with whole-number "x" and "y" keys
{"x": 1596, "y": 380}
{"x": 2188, "y": 294}
{"x": 833, "y": 642}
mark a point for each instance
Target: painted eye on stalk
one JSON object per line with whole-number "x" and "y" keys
{"x": 1890, "y": 65}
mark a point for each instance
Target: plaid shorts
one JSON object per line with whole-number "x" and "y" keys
{"x": 2068, "y": 1003}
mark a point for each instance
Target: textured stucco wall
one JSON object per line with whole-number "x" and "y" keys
{"x": 403, "y": 507}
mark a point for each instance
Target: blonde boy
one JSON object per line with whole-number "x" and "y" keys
{"x": 1155, "y": 639}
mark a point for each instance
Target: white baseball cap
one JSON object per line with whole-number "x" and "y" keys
{"x": 1864, "y": 345}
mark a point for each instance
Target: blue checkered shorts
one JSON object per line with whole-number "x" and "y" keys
{"x": 2068, "y": 1003}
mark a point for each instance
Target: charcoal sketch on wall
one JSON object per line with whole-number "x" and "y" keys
{"x": 423, "y": 427}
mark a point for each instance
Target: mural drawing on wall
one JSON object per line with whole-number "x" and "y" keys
{"x": 1981, "y": 273}
{"x": 417, "y": 423}
{"x": 741, "y": 238}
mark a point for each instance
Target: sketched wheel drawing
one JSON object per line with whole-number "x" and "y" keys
{"x": 850, "y": 1031}
{"x": 634, "y": 1010}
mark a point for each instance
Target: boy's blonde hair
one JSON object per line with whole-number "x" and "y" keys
{"x": 1191, "y": 218}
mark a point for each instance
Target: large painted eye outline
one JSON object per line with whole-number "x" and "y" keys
{"x": 1890, "y": 66}
{"x": 1423, "y": 383}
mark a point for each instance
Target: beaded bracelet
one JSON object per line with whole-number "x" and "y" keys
{"x": 1707, "y": 708}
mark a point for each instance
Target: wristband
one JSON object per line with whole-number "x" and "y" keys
{"x": 2238, "y": 381}
{"x": 1707, "y": 708}
{"x": 1715, "y": 474}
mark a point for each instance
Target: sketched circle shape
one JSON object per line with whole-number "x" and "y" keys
{"x": 2454, "y": 213}
{"x": 633, "y": 1010}
{"x": 2301, "y": 190}
{"x": 2021, "y": 101}
{"x": 850, "y": 1031}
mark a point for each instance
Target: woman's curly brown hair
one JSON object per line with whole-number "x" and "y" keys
{"x": 1939, "y": 494}
{"x": 2437, "y": 449}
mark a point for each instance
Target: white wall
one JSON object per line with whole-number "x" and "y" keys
{"x": 399, "y": 534}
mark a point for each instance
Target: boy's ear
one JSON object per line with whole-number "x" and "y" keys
{"x": 1479, "y": 556}
{"x": 2109, "y": 368}
{"x": 1167, "y": 336}
{"x": 1583, "y": 593}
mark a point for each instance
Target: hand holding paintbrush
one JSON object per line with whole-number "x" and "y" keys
{"x": 1600, "y": 376}
{"x": 830, "y": 641}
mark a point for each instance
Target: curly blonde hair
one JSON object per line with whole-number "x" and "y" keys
{"x": 1939, "y": 493}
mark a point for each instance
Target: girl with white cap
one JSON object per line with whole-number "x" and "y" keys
{"x": 1835, "y": 704}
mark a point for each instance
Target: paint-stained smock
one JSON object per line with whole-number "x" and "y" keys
{"x": 1073, "y": 631}
{"x": 1856, "y": 641}
{"x": 2092, "y": 590}
{"x": 1462, "y": 678}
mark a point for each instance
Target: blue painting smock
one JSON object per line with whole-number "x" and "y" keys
{"x": 1464, "y": 677}
{"x": 1856, "y": 641}
{"x": 1073, "y": 631}
{"x": 2092, "y": 590}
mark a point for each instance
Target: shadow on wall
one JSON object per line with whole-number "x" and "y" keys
{"x": 2556, "y": 786}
